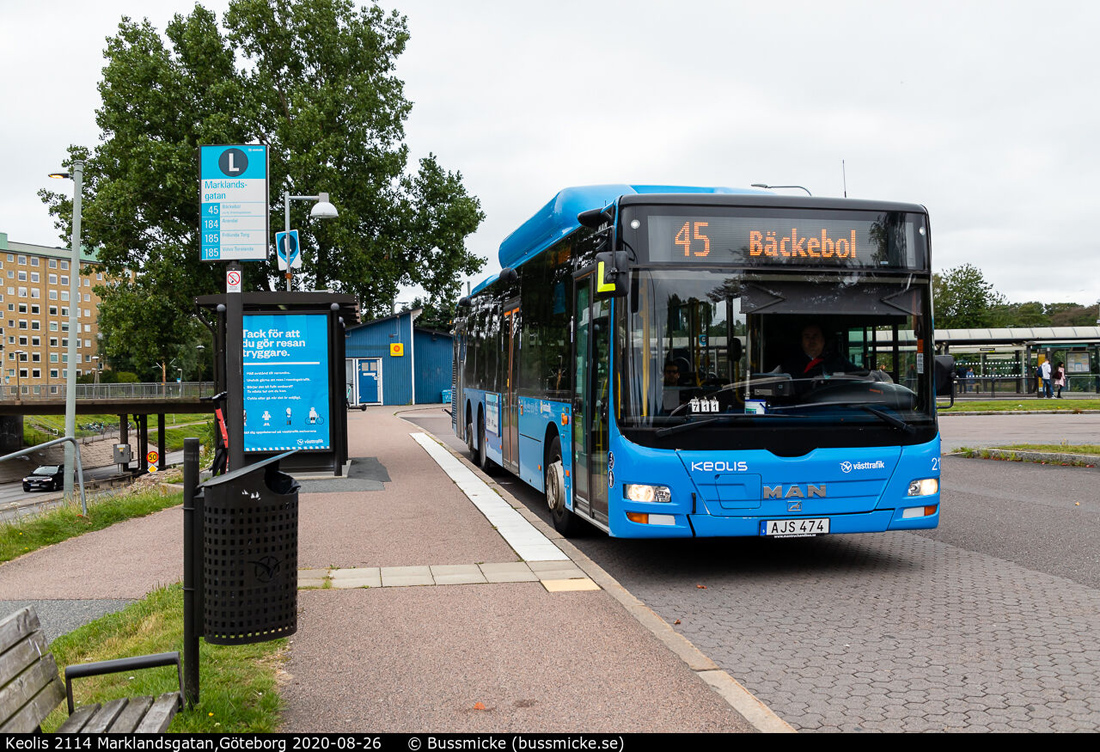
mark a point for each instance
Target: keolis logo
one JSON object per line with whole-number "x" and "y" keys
{"x": 719, "y": 467}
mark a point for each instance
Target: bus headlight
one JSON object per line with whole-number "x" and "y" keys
{"x": 924, "y": 487}
{"x": 643, "y": 492}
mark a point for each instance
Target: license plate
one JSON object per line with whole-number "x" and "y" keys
{"x": 794, "y": 528}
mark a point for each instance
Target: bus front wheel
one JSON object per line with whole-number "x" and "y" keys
{"x": 565, "y": 522}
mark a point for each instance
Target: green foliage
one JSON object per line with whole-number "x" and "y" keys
{"x": 314, "y": 80}
{"x": 963, "y": 299}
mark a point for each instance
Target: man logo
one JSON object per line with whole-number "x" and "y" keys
{"x": 794, "y": 492}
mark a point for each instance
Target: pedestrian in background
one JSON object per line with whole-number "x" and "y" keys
{"x": 1059, "y": 378}
{"x": 1047, "y": 385}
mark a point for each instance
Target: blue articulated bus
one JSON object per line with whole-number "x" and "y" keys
{"x": 672, "y": 362}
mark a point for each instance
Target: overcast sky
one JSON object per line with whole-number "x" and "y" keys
{"x": 986, "y": 112}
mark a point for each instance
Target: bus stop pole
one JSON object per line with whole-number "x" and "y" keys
{"x": 192, "y": 572}
{"x": 234, "y": 367}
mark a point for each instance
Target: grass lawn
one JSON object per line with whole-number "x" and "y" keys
{"x": 1004, "y": 405}
{"x": 31, "y": 533}
{"x": 238, "y": 690}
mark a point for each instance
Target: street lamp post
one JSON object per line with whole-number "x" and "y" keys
{"x": 321, "y": 210}
{"x": 765, "y": 185}
{"x": 77, "y": 176}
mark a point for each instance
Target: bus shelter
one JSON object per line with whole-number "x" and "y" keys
{"x": 1004, "y": 360}
{"x": 293, "y": 390}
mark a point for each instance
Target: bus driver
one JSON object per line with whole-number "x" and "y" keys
{"x": 812, "y": 360}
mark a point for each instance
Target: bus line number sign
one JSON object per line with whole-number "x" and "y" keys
{"x": 233, "y": 190}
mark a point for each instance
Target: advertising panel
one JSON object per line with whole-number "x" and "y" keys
{"x": 286, "y": 382}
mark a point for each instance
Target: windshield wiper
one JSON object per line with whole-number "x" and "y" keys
{"x": 893, "y": 420}
{"x": 885, "y": 417}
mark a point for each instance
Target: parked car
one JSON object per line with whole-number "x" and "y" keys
{"x": 45, "y": 478}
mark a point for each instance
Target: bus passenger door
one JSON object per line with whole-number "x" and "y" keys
{"x": 510, "y": 412}
{"x": 591, "y": 401}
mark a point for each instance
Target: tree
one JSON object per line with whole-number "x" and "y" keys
{"x": 314, "y": 81}
{"x": 963, "y": 299}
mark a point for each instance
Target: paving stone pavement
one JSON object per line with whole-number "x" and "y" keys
{"x": 978, "y": 644}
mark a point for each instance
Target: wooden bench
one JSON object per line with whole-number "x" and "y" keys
{"x": 31, "y": 688}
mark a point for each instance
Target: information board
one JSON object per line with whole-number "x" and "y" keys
{"x": 234, "y": 194}
{"x": 285, "y": 369}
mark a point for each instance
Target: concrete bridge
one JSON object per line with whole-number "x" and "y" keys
{"x": 108, "y": 399}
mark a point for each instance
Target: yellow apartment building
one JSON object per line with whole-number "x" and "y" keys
{"x": 34, "y": 317}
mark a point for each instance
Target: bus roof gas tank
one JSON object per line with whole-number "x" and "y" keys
{"x": 559, "y": 217}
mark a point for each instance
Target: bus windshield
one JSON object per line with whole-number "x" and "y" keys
{"x": 726, "y": 352}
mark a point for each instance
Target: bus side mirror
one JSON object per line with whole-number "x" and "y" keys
{"x": 611, "y": 275}
{"x": 945, "y": 376}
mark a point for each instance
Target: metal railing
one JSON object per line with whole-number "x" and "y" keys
{"x": 1021, "y": 385}
{"x": 76, "y": 460}
{"x": 149, "y": 391}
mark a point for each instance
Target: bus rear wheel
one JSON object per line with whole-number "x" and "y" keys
{"x": 565, "y": 522}
{"x": 481, "y": 456}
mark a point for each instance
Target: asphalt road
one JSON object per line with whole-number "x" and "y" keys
{"x": 988, "y": 623}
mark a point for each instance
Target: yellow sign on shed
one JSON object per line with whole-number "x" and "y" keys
{"x": 397, "y": 349}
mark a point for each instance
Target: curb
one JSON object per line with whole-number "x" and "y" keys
{"x": 1087, "y": 461}
{"x": 754, "y": 711}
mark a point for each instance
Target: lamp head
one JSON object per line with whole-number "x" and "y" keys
{"x": 323, "y": 209}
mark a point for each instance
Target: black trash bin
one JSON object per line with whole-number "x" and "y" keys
{"x": 250, "y": 554}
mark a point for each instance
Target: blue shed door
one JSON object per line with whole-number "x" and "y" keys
{"x": 370, "y": 381}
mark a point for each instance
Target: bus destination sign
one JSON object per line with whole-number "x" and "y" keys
{"x": 893, "y": 240}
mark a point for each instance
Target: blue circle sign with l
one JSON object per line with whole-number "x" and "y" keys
{"x": 233, "y": 163}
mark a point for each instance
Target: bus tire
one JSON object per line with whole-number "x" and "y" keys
{"x": 471, "y": 442}
{"x": 482, "y": 456}
{"x": 564, "y": 521}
